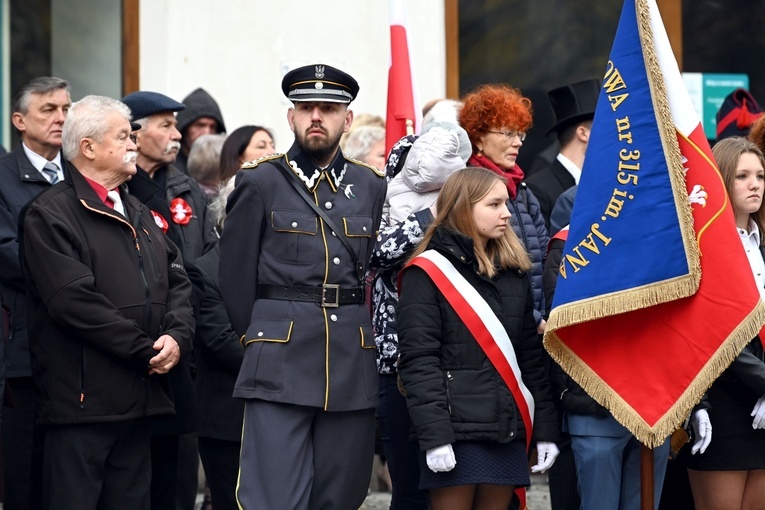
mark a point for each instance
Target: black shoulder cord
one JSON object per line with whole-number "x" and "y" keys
{"x": 292, "y": 178}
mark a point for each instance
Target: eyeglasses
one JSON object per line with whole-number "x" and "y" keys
{"x": 510, "y": 134}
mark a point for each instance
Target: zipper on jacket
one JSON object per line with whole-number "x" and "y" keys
{"x": 82, "y": 376}
{"x": 449, "y": 377}
{"x": 145, "y": 283}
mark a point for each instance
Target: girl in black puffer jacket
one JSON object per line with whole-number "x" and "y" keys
{"x": 472, "y": 429}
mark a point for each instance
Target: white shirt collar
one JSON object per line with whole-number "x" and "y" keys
{"x": 753, "y": 233}
{"x": 569, "y": 165}
{"x": 39, "y": 162}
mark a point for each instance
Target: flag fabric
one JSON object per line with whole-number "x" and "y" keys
{"x": 655, "y": 296}
{"x": 403, "y": 115}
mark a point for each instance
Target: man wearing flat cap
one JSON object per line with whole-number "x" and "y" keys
{"x": 180, "y": 204}
{"x": 179, "y": 208}
{"x": 574, "y": 108}
{"x": 299, "y": 233}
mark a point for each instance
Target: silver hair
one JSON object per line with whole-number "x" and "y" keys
{"x": 218, "y": 206}
{"x": 361, "y": 139}
{"x": 40, "y": 85}
{"x": 204, "y": 158}
{"x": 87, "y": 119}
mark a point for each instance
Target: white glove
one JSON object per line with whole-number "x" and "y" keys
{"x": 702, "y": 429}
{"x": 546, "y": 455}
{"x": 440, "y": 458}
{"x": 759, "y": 414}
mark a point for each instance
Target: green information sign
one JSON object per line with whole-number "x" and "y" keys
{"x": 708, "y": 90}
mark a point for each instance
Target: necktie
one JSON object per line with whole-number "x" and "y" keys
{"x": 51, "y": 172}
{"x": 114, "y": 196}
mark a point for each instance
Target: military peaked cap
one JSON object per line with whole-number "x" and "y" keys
{"x": 319, "y": 82}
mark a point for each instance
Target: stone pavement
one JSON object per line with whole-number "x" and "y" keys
{"x": 538, "y": 496}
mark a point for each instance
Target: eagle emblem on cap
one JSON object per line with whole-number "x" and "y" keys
{"x": 319, "y": 72}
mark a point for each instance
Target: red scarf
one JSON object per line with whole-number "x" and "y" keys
{"x": 513, "y": 176}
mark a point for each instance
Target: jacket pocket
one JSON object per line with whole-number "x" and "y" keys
{"x": 472, "y": 396}
{"x": 358, "y": 226}
{"x": 274, "y": 330}
{"x": 295, "y": 222}
{"x": 267, "y": 342}
{"x": 295, "y": 234}
{"x": 367, "y": 338}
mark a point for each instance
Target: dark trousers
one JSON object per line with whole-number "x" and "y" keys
{"x": 401, "y": 454}
{"x": 564, "y": 494}
{"x": 22, "y": 448}
{"x": 304, "y": 458}
{"x": 174, "y": 472}
{"x": 97, "y": 466}
{"x": 220, "y": 459}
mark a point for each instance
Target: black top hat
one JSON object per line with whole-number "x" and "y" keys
{"x": 319, "y": 82}
{"x": 573, "y": 103}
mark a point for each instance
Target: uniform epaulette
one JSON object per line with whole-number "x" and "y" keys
{"x": 253, "y": 164}
{"x": 380, "y": 173}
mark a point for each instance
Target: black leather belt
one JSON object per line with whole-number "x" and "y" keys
{"x": 325, "y": 295}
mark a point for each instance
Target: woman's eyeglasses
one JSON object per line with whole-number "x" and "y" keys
{"x": 510, "y": 134}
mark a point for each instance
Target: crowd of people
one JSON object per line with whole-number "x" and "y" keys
{"x": 173, "y": 292}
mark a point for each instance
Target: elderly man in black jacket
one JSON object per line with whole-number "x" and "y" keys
{"x": 109, "y": 317}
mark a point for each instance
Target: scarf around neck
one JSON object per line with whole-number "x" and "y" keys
{"x": 513, "y": 176}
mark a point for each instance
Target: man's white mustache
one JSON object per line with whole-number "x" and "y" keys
{"x": 172, "y": 146}
{"x": 130, "y": 157}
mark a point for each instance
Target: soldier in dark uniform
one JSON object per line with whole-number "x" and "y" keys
{"x": 293, "y": 287}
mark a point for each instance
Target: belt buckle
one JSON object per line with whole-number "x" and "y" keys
{"x": 330, "y": 304}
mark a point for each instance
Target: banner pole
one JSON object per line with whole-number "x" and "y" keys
{"x": 646, "y": 478}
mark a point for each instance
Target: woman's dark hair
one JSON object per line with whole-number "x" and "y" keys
{"x": 234, "y": 147}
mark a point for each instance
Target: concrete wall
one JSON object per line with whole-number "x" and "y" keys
{"x": 238, "y": 50}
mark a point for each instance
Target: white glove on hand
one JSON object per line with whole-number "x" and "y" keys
{"x": 759, "y": 414}
{"x": 441, "y": 458}
{"x": 546, "y": 455}
{"x": 702, "y": 429}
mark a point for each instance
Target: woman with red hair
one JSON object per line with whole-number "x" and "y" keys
{"x": 496, "y": 118}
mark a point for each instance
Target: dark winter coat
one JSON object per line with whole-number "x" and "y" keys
{"x": 102, "y": 289}
{"x": 529, "y": 225}
{"x": 219, "y": 356}
{"x": 194, "y": 238}
{"x": 453, "y": 391}
{"x": 21, "y": 182}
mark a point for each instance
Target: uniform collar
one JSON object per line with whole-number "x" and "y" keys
{"x": 311, "y": 175}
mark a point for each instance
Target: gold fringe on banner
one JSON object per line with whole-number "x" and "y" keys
{"x": 606, "y": 305}
{"x": 655, "y": 435}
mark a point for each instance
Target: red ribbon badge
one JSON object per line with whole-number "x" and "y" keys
{"x": 181, "y": 211}
{"x": 160, "y": 221}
